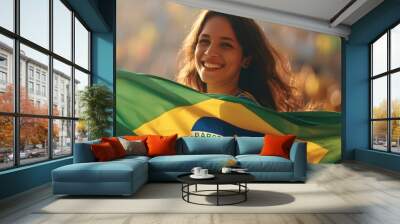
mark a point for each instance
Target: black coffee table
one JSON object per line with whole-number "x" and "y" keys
{"x": 238, "y": 179}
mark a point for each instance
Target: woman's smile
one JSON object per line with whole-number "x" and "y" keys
{"x": 212, "y": 66}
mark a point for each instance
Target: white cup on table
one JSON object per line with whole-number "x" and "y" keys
{"x": 196, "y": 171}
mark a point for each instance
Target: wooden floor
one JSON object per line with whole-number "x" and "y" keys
{"x": 377, "y": 188}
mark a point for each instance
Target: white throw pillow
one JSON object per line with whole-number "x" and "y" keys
{"x": 136, "y": 147}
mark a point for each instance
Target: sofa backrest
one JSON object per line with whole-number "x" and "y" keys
{"x": 249, "y": 145}
{"x": 205, "y": 145}
{"x": 83, "y": 152}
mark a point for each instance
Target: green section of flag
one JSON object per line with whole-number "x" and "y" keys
{"x": 142, "y": 98}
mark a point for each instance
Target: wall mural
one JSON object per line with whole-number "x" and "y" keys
{"x": 204, "y": 73}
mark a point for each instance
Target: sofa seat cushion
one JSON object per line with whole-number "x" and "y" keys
{"x": 257, "y": 163}
{"x": 185, "y": 163}
{"x": 133, "y": 158}
{"x": 111, "y": 171}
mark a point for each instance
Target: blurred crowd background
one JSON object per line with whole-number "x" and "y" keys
{"x": 150, "y": 34}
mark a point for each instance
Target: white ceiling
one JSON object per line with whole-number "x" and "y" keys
{"x": 315, "y": 15}
{"x": 320, "y": 9}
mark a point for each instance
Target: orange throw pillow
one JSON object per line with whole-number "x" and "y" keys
{"x": 161, "y": 145}
{"x": 116, "y": 145}
{"x": 277, "y": 145}
{"x": 103, "y": 151}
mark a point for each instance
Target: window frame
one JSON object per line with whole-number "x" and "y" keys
{"x": 16, "y": 115}
{"x": 388, "y": 74}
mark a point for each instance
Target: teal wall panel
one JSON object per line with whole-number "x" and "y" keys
{"x": 379, "y": 159}
{"x": 102, "y": 59}
{"x": 356, "y": 101}
{"x": 24, "y": 178}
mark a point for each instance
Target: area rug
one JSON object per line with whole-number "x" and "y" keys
{"x": 166, "y": 198}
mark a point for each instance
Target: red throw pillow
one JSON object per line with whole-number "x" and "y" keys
{"x": 116, "y": 145}
{"x": 103, "y": 151}
{"x": 277, "y": 145}
{"x": 161, "y": 145}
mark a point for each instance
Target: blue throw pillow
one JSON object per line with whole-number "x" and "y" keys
{"x": 249, "y": 145}
{"x": 204, "y": 145}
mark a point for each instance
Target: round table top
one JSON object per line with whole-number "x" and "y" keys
{"x": 220, "y": 178}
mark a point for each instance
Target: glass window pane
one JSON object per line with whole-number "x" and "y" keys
{"x": 395, "y": 136}
{"x": 395, "y": 94}
{"x": 81, "y": 45}
{"x": 81, "y": 81}
{"x": 6, "y": 74}
{"x": 7, "y": 14}
{"x": 35, "y": 21}
{"x": 62, "y": 138}
{"x": 81, "y": 131}
{"x": 379, "y": 55}
{"x": 62, "y": 29}
{"x": 62, "y": 89}
{"x": 6, "y": 142}
{"x": 395, "y": 47}
{"x": 34, "y": 97}
{"x": 379, "y": 135}
{"x": 33, "y": 139}
{"x": 379, "y": 97}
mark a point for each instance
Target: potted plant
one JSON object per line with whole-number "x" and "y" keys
{"x": 96, "y": 102}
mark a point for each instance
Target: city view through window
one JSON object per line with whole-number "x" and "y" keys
{"x": 39, "y": 113}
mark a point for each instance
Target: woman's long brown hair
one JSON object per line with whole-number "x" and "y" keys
{"x": 263, "y": 78}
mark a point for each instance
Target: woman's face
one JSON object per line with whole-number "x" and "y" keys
{"x": 218, "y": 55}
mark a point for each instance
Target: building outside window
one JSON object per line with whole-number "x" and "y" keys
{"x": 30, "y": 87}
{"x": 3, "y": 81}
{"x": 3, "y": 72}
{"x": 37, "y": 75}
{"x": 43, "y": 90}
{"x": 38, "y": 89}
{"x": 55, "y": 99}
{"x": 3, "y": 60}
{"x": 44, "y": 77}
{"x": 30, "y": 72}
{"x": 3, "y": 78}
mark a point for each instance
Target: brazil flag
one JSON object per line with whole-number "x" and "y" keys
{"x": 148, "y": 104}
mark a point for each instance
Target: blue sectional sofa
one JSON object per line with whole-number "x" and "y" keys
{"x": 125, "y": 176}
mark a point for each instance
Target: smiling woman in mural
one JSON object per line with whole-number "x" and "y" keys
{"x": 227, "y": 54}
{"x": 224, "y": 59}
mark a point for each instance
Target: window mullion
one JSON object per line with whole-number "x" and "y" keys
{"x": 389, "y": 92}
{"x": 73, "y": 82}
{"x": 50, "y": 81}
{"x": 16, "y": 84}
{"x": 371, "y": 89}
